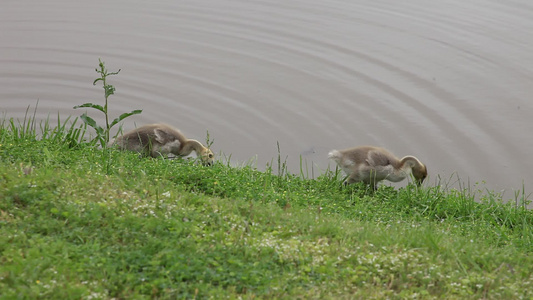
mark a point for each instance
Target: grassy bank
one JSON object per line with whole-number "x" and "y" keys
{"x": 81, "y": 222}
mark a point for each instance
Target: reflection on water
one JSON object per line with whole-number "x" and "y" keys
{"x": 449, "y": 82}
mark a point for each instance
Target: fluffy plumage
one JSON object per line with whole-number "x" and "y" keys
{"x": 160, "y": 140}
{"x": 371, "y": 165}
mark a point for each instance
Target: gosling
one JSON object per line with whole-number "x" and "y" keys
{"x": 371, "y": 165}
{"x": 157, "y": 140}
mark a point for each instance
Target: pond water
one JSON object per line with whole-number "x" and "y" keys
{"x": 450, "y": 82}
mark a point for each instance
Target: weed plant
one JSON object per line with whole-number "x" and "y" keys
{"x": 167, "y": 229}
{"x": 103, "y": 133}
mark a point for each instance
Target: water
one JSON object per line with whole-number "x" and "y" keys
{"x": 450, "y": 82}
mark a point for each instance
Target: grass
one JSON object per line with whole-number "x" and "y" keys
{"x": 79, "y": 222}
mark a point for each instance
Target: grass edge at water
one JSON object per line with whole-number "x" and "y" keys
{"x": 321, "y": 240}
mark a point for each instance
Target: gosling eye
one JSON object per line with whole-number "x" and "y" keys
{"x": 210, "y": 155}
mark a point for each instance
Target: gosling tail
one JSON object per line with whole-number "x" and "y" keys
{"x": 335, "y": 155}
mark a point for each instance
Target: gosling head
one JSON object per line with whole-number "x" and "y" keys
{"x": 207, "y": 156}
{"x": 418, "y": 169}
{"x": 420, "y": 172}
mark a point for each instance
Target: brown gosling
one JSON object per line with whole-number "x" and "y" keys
{"x": 371, "y": 165}
{"x": 160, "y": 140}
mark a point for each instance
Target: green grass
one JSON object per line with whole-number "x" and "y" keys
{"x": 79, "y": 222}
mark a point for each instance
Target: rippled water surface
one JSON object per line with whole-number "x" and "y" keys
{"x": 450, "y": 82}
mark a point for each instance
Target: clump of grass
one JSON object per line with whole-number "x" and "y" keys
{"x": 66, "y": 133}
{"x": 208, "y": 141}
{"x": 103, "y": 134}
{"x": 24, "y": 130}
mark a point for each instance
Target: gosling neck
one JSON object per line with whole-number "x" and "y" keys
{"x": 409, "y": 162}
{"x": 192, "y": 145}
{"x": 405, "y": 168}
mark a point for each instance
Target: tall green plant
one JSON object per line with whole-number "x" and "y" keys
{"x": 103, "y": 133}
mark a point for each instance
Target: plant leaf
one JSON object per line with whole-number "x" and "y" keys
{"x": 95, "y": 106}
{"x": 109, "y": 90}
{"x": 91, "y": 122}
{"x": 97, "y": 79}
{"x": 114, "y": 73}
{"x": 124, "y": 116}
